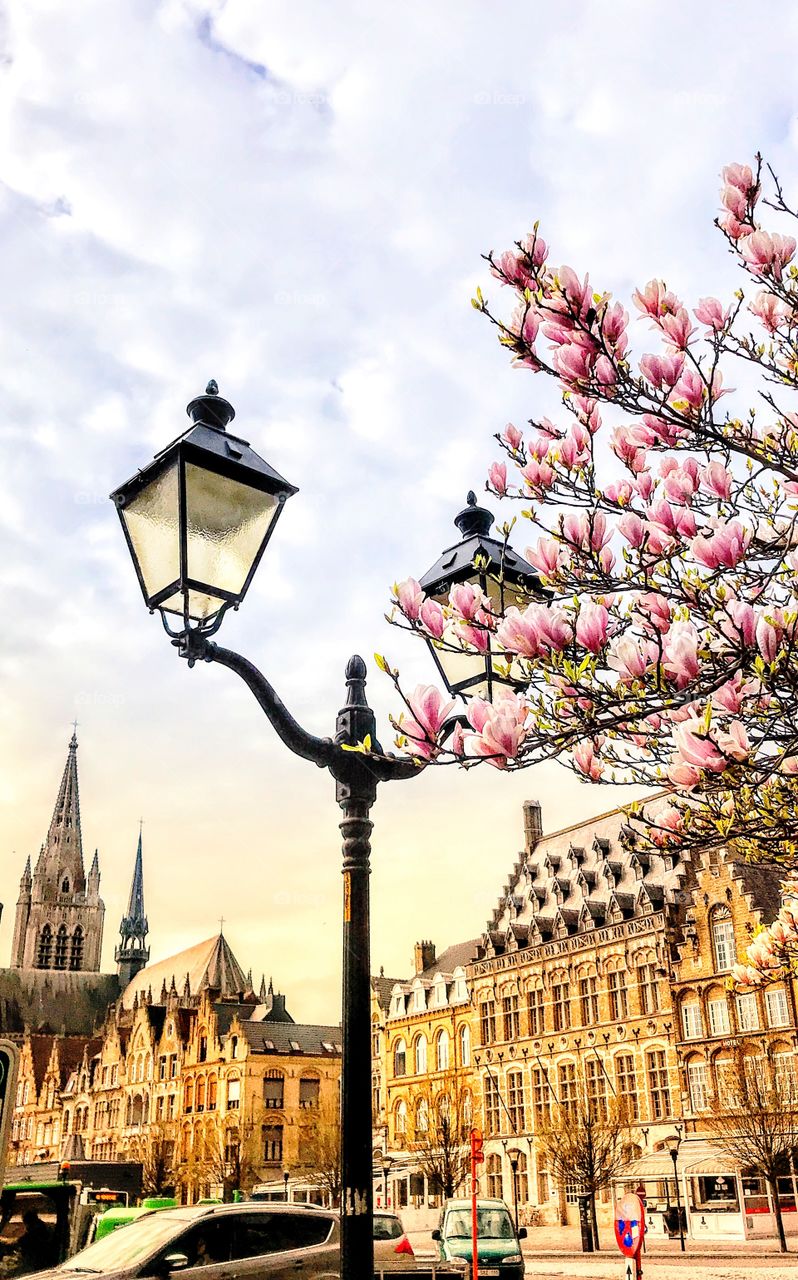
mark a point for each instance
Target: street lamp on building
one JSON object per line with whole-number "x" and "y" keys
{"x": 512, "y": 1156}
{"x": 197, "y": 520}
{"x": 286, "y": 1176}
{"x": 673, "y": 1142}
{"x": 387, "y": 1162}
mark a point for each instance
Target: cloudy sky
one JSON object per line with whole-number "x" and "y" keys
{"x": 293, "y": 199}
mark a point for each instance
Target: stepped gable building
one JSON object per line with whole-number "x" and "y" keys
{"x": 572, "y": 998}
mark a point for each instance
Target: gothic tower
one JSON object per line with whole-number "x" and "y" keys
{"x": 59, "y": 921}
{"x": 133, "y": 953}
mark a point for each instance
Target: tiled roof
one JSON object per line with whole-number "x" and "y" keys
{"x": 293, "y": 1037}
{"x": 458, "y": 956}
{"x": 763, "y": 882}
{"x": 579, "y": 879}
{"x": 383, "y": 987}
{"x": 210, "y": 963}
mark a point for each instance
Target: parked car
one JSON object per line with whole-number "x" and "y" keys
{"x": 498, "y": 1246}
{"x": 215, "y": 1242}
{"x": 390, "y": 1242}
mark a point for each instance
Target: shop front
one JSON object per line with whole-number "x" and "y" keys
{"x": 715, "y": 1197}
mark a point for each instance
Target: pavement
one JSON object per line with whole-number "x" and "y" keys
{"x": 553, "y": 1253}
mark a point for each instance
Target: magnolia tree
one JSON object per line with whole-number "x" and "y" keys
{"x": 662, "y": 646}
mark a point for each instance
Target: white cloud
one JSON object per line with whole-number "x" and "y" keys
{"x": 294, "y": 199}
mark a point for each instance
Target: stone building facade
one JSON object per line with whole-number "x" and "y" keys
{"x": 211, "y": 1086}
{"x": 603, "y": 970}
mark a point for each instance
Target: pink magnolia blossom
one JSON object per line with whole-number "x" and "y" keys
{"x": 655, "y": 611}
{"x": 535, "y": 247}
{"x": 574, "y": 362}
{"x": 499, "y": 728}
{"x": 694, "y": 746}
{"x": 625, "y": 447}
{"x": 662, "y": 371}
{"x": 717, "y": 480}
{"x": 677, "y": 328}
{"x": 432, "y": 616}
{"x": 674, "y": 522}
{"x": 632, "y": 658}
{"x": 473, "y": 637}
{"x": 587, "y": 761}
{"x": 620, "y": 492}
{"x": 734, "y": 743}
{"x": 513, "y": 268}
{"x": 538, "y": 475}
{"x": 512, "y": 436}
{"x": 740, "y": 623}
{"x": 409, "y": 597}
{"x": 767, "y": 253}
{"x": 587, "y": 411}
{"x": 655, "y": 300}
{"x": 587, "y": 531}
{"x": 591, "y": 626}
{"x": 710, "y": 312}
{"x": 690, "y": 389}
{"x": 497, "y": 477}
{"x": 547, "y": 556}
{"x": 769, "y": 309}
{"x": 683, "y": 775}
{"x": 556, "y": 629}
{"x": 725, "y": 547}
{"x": 521, "y": 632}
{"x": 739, "y": 176}
{"x": 681, "y": 654}
{"x": 429, "y": 712}
{"x": 468, "y": 600}
{"x": 632, "y": 528}
{"x": 574, "y": 448}
{"x": 680, "y": 482}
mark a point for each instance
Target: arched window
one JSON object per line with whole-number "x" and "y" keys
{"x": 67, "y": 1121}
{"x": 212, "y": 1093}
{"x": 442, "y": 1050}
{"x": 468, "y": 1110}
{"x": 400, "y": 1058}
{"x": 233, "y": 1046}
{"x": 723, "y": 947}
{"x": 465, "y": 1045}
{"x": 61, "y": 948}
{"x": 420, "y": 1055}
{"x": 400, "y": 1118}
{"x": 201, "y": 1094}
{"x": 137, "y": 1111}
{"x": 188, "y": 1096}
{"x": 65, "y": 885}
{"x": 493, "y": 1170}
{"x": 519, "y": 1167}
{"x": 422, "y": 1116}
{"x": 44, "y": 955}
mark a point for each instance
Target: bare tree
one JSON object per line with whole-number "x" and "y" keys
{"x": 440, "y": 1131}
{"x": 754, "y": 1118}
{"x": 320, "y": 1149}
{"x": 585, "y": 1139}
{"x": 222, "y": 1155}
{"x": 156, "y": 1151}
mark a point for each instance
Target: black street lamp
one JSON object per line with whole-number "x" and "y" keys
{"x": 504, "y": 577}
{"x": 387, "y": 1162}
{"x": 286, "y": 1176}
{"x": 513, "y": 1158}
{"x": 197, "y": 520}
{"x": 673, "y": 1142}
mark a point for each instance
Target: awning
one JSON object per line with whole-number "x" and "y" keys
{"x": 696, "y": 1158}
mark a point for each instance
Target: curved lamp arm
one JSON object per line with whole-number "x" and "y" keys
{"x": 337, "y": 754}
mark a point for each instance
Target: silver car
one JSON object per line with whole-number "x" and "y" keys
{"x": 215, "y": 1242}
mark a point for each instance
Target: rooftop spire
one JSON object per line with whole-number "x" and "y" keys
{"x": 134, "y": 953}
{"x": 63, "y": 848}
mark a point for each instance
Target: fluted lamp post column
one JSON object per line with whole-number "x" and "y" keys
{"x": 197, "y": 519}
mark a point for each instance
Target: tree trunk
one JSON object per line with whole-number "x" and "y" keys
{"x": 774, "y": 1191}
{"x": 594, "y": 1221}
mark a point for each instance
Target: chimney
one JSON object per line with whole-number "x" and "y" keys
{"x": 423, "y": 955}
{"x": 533, "y": 824}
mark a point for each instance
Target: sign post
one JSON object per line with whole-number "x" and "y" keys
{"x": 477, "y": 1157}
{"x": 630, "y": 1229}
{"x": 9, "y": 1065}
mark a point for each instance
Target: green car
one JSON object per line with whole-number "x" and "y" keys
{"x": 498, "y": 1246}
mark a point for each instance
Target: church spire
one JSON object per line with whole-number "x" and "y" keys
{"x": 62, "y": 851}
{"x": 133, "y": 953}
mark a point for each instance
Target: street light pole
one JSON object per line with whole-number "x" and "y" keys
{"x": 673, "y": 1144}
{"x": 357, "y": 774}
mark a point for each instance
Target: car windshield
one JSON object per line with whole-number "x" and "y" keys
{"x": 387, "y": 1227}
{"x": 492, "y": 1224}
{"x": 130, "y": 1243}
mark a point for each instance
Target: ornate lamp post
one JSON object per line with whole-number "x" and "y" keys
{"x": 512, "y": 1156}
{"x": 197, "y": 520}
{"x": 673, "y": 1142}
{"x": 387, "y": 1163}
